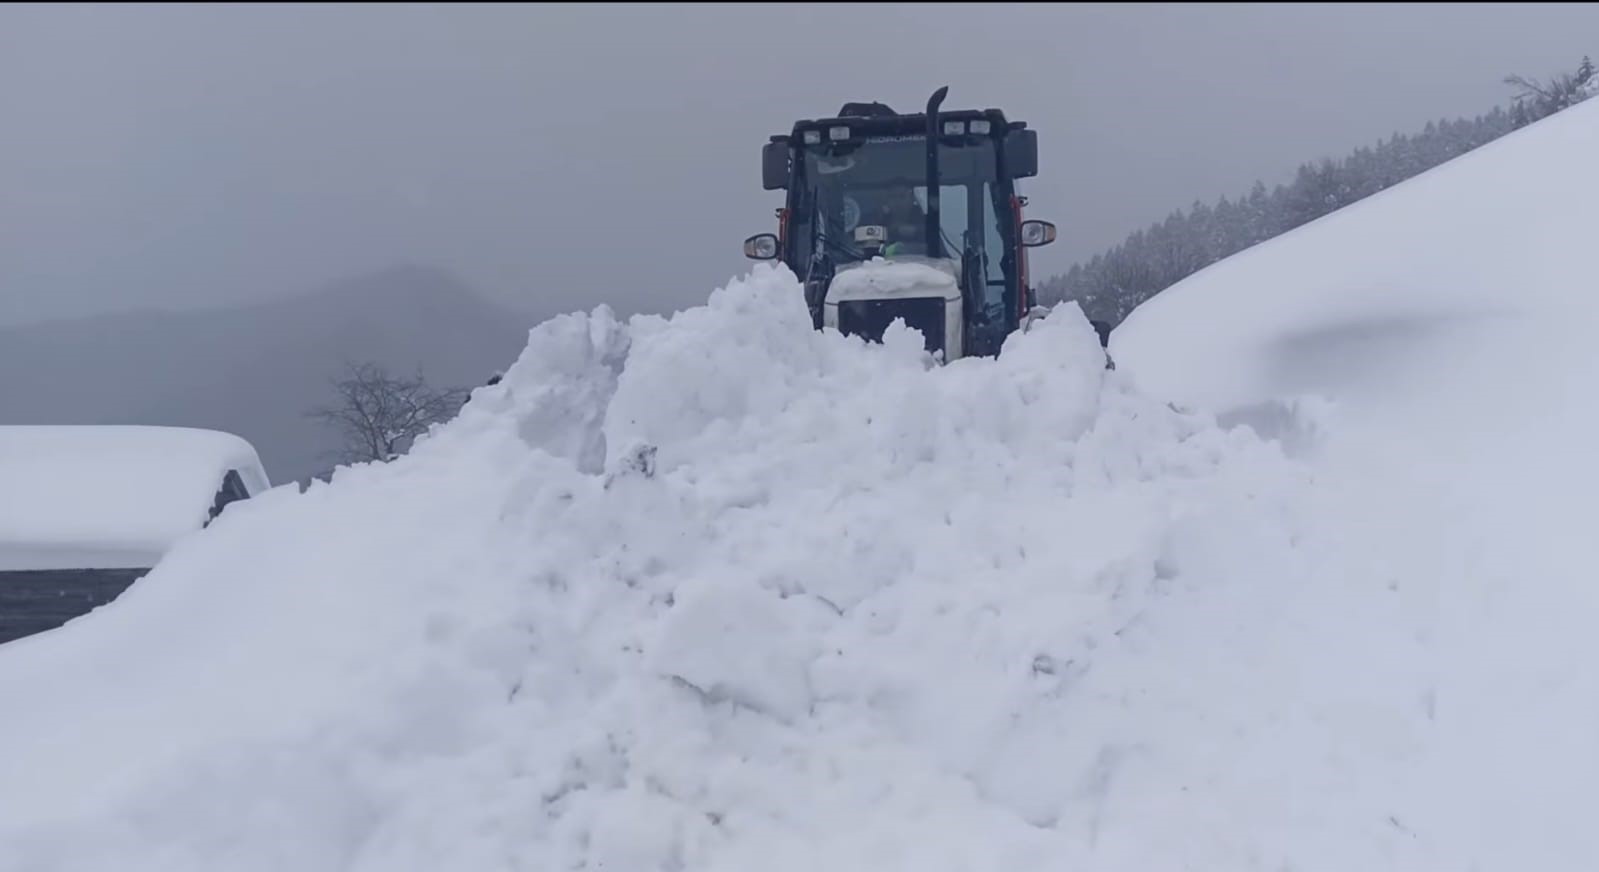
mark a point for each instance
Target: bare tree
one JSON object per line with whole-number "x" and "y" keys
{"x": 378, "y": 416}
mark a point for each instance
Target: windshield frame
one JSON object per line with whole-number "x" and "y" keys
{"x": 975, "y": 160}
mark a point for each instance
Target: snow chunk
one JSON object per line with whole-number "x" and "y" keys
{"x": 558, "y": 390}
{"x": 737, "y": 643}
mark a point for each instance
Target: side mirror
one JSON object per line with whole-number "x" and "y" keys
{"x": 774, "y": 166}
{"x": 1036, "y": 233}
{"x": 1021, "y": 153}
{"x": 761, "y": 246}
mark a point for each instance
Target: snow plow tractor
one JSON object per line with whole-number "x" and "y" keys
{"x": 907, "y": 217}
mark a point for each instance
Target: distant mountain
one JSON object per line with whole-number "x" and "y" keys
{"x": 255, "y": 370}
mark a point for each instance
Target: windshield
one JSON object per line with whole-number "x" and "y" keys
{"x": 882, "y": 182}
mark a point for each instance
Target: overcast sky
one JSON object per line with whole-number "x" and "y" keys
{"x": 566, "y": 156}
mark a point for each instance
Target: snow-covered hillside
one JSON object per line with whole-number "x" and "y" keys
{"x": 1450, "y": 325}
{"x": 720, "y": 592}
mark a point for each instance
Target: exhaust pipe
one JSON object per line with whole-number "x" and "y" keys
{"x": 935, "y": 236}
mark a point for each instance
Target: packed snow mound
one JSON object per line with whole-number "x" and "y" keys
{"x": 82, "y": 497}
{"x": 722, "y": 592}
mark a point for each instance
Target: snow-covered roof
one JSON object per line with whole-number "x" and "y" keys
{"x": 110, "y": 496}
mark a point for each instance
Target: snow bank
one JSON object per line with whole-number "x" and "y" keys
{"x": 82, "y": 497}
{"x": 721, "y": 592}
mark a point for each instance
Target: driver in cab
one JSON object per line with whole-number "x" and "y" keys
{"x": 903, "y": 220}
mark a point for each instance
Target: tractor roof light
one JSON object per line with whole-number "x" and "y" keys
{"x": 813, "y": 137}
{"x": 954, "y": 128}
{"x": 837, "y": 133}
{"x": 980, "y": 126}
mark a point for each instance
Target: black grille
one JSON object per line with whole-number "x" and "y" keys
{"x": 869, "y": 318}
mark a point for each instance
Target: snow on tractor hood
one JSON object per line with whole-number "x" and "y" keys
{"x": 902, "y": 277}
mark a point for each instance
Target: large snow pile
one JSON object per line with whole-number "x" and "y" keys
{"x": 723, "y": 593}
{"x": 110, "y": 496}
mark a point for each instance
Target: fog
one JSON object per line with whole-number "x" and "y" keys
{"x": 557, "y": 157}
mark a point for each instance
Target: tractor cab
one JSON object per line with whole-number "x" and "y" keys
{"x": 907, "y": 217}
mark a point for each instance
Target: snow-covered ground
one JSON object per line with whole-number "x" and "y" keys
{"x": 719, "y": 592}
